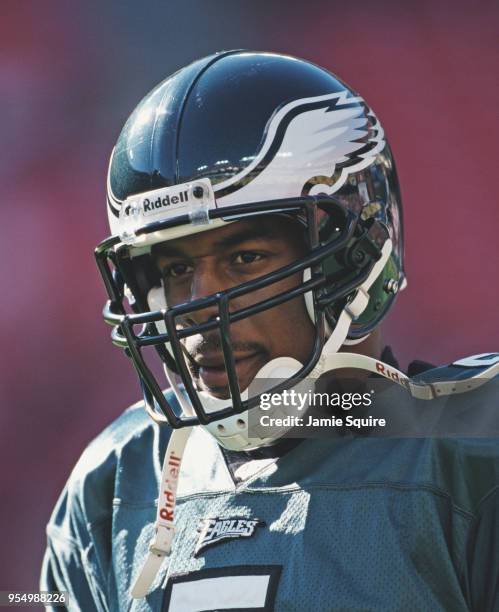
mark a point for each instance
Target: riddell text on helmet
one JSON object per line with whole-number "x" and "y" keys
{"x": 150, "y": 206}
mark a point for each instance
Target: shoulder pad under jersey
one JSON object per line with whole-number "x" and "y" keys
{"x": 461, "y": 376}
{"x": 485, "y": 365}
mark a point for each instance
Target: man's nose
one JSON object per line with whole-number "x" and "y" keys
{"x": 205, "y": 282}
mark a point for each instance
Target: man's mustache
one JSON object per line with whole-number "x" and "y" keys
{"x": 198, "y": 346}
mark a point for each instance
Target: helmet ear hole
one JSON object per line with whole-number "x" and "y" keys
{"x": 331, "y": 222}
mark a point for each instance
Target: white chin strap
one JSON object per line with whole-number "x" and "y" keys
{"x": 161, "y": 543}
{"x": 309, "y": 303}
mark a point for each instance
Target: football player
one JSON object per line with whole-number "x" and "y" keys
{"x": 256, "y": 236}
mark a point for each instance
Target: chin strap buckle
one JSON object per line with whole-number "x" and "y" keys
{"x": 359, "y": 303}
{"x": 161, "y": 544}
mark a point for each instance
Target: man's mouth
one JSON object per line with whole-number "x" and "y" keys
{"x": 212, "y": 372}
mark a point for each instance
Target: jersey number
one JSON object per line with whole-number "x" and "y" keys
{"x": 243, "y": 587}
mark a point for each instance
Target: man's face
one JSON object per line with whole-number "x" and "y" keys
{"x": 202, "y": 264}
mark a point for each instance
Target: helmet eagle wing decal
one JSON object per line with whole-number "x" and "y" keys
{"x": 311, "y": 146}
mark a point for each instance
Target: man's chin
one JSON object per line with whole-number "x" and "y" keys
{"x": 214, "y": 381}
{"x": 221, "y": 393}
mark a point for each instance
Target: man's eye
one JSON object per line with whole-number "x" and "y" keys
{"x": 246, "y": 257}
{"x": 177, "y": 269}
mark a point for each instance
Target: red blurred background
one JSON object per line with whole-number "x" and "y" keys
{"x": 71, "y": 72}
